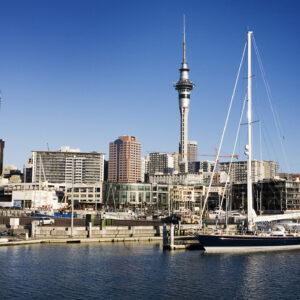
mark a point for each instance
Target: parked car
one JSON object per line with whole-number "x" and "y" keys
{"x": 193, "y": 219}
{"x": 174, "y": 218}
{"x": 46, "y": 221}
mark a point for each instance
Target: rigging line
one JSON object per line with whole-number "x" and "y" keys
{"x": 266, "y": 133}
{"x": 261, "y": 121}
{"x": 268, "y": 90}
{"x": 269, "y": 96}
{"x": 266, "y": 137}
{"x": 233, "y": 151}
{"x": 260, "y": 146}
{"x": 256, "y": 106}
{"x": 269, "y": 144}
{"x": 221, "y": 142}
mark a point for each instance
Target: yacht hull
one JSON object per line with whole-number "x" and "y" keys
{"x": 242, "y": 243}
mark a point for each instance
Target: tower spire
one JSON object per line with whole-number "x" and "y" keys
{"x": 184, "y": 51}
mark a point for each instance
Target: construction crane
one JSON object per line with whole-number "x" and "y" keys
{"x": 198, "y": 154}
{"x": 217, "y": 162}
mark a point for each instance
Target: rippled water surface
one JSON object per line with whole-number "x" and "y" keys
{"x": 144, "y": 271}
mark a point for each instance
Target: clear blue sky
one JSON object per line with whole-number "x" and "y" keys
{"x": 81, "y": 73}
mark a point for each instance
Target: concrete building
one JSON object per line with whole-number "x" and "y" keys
{"x": 194, "y": 167}
{"x": 145, "y": 168}
{"x": 125, "y": 160}
{"x": 271, "y": 195}
{"x": 27, "y": 172}
{"x": 85, "y": 195}
{"x": 136, "y": 195}
{"x": 152, "y": 196}
{"x": 186, "y": 197}
{"x": 176, "y": 157}
{"x": 260, "y": 170}
{"x": 192, "y": 151}
{"x": 12, "y": 174}
{"x": 160, "y": 163}
{"x": 184, "y": 87}
{"x": 64, "y": 165}
{"x": 191, "y": 196}
{"x": 177, "y": 178}
{"x": 2, "y": 144}
{"x": 105, "y": 170}
{"x": 207, "y": 165}
{"x": 32, "y": 195}
{"x": 289, "y": 176}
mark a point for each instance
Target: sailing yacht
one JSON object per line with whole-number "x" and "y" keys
{"x": 251, "y": 241}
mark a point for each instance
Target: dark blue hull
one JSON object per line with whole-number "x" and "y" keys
{"x": 247, "y": 241}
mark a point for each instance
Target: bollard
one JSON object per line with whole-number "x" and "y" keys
{"x": 33, "y": 224}
{"x": 26, "y": 236}
{"x": 165, "y": 235}
{"x": 172, "y": 235}
{"x": 90, "y": 229}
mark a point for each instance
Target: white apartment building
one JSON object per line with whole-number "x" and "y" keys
{"x": 67, "y": 164}
{"x": 260, "y": 170}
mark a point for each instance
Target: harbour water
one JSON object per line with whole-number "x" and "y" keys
{"x": 144, "y": 271}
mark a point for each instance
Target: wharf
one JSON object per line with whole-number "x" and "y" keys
{"x": 188, "y": 246}
{"x": 79, "y": 240}
{"x": 172, "y": 242}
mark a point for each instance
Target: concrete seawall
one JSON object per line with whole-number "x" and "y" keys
{"x": 97, "y": 232}
{"x": 94, "y": 234}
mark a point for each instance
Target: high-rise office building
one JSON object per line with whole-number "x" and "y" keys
{"x": 125, "y": 160}
{"x": 161, "y": 163}
{"x": 184, "y": 87}
{"x": 67, "y": 166}
{"x": 192, "y": 149}
{"x": 2, "y": 143}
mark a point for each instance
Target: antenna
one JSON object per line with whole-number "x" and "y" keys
{"x": 48, "y": 147}
{"x": 184, "y": 52}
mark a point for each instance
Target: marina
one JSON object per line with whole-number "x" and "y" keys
{"x": 149, "y": 150}
{"x": 127, "y": 207}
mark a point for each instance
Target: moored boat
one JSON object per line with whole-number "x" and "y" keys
{"x": 277, "y": 239}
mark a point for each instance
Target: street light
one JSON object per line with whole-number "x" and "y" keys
{"x": 72, "y": 201}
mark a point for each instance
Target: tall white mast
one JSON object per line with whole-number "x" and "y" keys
{"x": 249, "y": 146}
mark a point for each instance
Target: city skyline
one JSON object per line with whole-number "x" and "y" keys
{"x": 69, "y": 71}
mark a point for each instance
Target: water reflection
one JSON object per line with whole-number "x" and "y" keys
{"x": 143, "y": 271}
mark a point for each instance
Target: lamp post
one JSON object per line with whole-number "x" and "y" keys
{"x": 72, "y": 195}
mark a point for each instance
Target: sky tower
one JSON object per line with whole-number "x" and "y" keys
{"x": 184, "y": 87}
